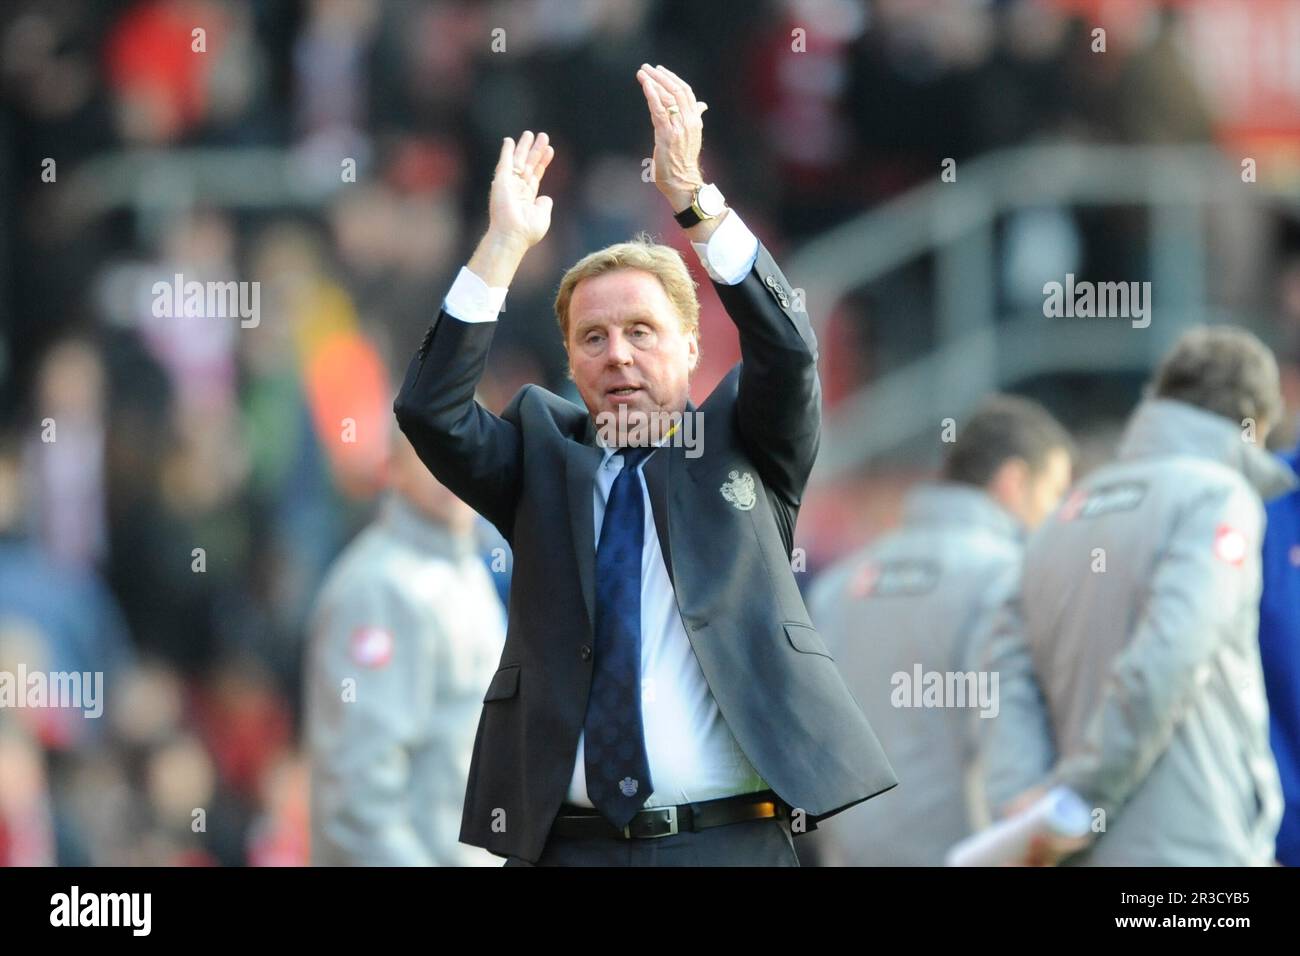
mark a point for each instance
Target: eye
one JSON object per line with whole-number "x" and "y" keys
{"x": 593, "y": 338}
{"x": 640, "y": 332}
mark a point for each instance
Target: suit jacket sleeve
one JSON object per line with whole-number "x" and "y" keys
{"x": 471, "y": 451}
{"x": 779, "y": 394}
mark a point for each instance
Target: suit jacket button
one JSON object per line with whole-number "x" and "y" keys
{"x": 585, "y": 652}
{"x": 769, "y": 281}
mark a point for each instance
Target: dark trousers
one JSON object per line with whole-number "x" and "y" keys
{"x": 749, "y": 843}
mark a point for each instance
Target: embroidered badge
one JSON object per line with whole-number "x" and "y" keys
{"x": 1120, "y": 496}
{"x": 371, "y": 646}
{"x": 739, "y": 490}
{"x": 1229, "y": 545}
{"x": 907, "y": 578}
{"x": 628, "y": 786}
{"x": 864, "y": 580}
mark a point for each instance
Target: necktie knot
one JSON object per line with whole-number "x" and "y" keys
{"x": 633, "y": 457}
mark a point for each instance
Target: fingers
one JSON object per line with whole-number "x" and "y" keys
{"x": 506, "y": 158}
{"x": 680, "y": 89}
{"x": 535, "y": 172}
{"x": 666, "y": 98}
{"x": 521, "y": 150}
{"x": 670, "y": 90}
{"x": 670, "y": 86}
{"x": 539, "y": 155}
{"x": 539, "y": 170}
{"x": 531, "y": 155}
{"x": 654, "y": 97}
{"x": 1037, "y": 853}
{"x": 677, "y": 90}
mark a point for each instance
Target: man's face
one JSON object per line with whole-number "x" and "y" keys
{"x": 1043, "y": 491}
{"x": 627, "y": 347}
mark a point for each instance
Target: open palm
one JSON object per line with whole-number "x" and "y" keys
{"x": 514, "y": 207}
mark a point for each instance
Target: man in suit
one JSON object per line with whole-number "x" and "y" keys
{"x": 663, "y": 698}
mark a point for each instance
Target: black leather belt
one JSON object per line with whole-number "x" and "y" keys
{"x": 573, "y": 821}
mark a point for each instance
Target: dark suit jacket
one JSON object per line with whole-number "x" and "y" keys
{"x": 531, "y": 473}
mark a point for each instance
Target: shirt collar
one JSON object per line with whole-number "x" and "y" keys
{"x": 610, "y": 450}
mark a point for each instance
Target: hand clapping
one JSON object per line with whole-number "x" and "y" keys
{"x": 679, "y": 132}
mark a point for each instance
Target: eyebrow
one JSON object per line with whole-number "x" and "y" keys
{"x": 588, "y": 324}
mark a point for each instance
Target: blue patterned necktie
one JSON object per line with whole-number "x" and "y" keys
{"x": 618, "y": 769}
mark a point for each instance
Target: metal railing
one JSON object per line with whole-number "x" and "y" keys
{"x": 977, "y": 351}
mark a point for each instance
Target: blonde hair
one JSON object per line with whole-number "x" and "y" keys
{"x": 663, "y": 262}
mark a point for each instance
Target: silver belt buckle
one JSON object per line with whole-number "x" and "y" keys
{"x": 672, "y": 824}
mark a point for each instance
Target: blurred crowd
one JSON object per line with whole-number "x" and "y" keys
{"x": 173, "y": 490}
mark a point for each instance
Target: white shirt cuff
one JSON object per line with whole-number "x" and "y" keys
{"x": 730, "y": 252}
{"x": 470, "y": 299}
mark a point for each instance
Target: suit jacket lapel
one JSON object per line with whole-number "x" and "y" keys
{"x": 657, "y": 471}
{"x": 581, "y": 460}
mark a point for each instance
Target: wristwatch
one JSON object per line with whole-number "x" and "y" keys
{"x": 707, "y": 203}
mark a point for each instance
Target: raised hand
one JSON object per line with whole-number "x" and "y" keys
{"x": 679, "y": 132}
{"x": 515, "y": 210}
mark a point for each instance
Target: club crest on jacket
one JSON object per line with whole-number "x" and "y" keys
{"x": 739, "y": 490}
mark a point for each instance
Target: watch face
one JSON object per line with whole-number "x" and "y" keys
{"x": 711, "y": 200}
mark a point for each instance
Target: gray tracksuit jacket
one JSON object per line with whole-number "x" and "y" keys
{"x": 900, "y": 619}
{"x": 405, "y": 638}
{"x": 1129, "y": 663}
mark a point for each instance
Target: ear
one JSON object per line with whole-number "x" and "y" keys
{"x": 1010, "y": 483}
{"x": 693, "y": 350}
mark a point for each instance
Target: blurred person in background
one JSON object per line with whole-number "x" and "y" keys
{"x": 919, "y": 598}
{"x": 27, "y": 825}
{"x": 150, "y": 796}
{"x": 404, "y": 641}
{"x": 65, "y": 459}
{"x": 26, "y": 828}
{"x": 73, "y": 617}
{"x": 1279, "y": 648}
{"x": 1129, "y": 661}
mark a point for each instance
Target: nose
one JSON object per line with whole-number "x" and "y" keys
{"x": 620, "y": 349}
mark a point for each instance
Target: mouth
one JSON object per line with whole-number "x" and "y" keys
{"x": 622, "y": 392}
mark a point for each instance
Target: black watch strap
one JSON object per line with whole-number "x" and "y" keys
{"x": 687, "y": 217}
